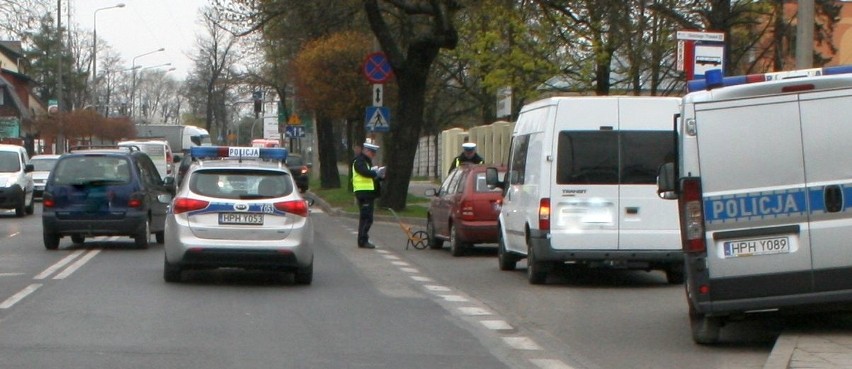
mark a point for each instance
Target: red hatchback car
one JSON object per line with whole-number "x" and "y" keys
{"x": 464, "y": 210}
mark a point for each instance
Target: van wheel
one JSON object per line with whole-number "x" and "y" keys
{"x": 504, "y": 259}
{"x": 434, "y": 242}
{"x": 142, "y": 237}
{"x": 21, "y": 209}
{"x": 51, "y": 241}
{"x": 30, "y": 209}
{"x": 536, "y": 273}
{"x": 457, "y": 247}
{"x": 705, "y": 329}
{"x": 161, "y": 237}
{"x": 674, "y": 274}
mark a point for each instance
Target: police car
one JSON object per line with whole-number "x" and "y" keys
{"x": 239, "y": 207}
{"x": 762, "y": 177}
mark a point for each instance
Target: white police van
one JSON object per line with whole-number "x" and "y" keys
{"x": 764, "y": 183}
{"x": 581, "y": 187}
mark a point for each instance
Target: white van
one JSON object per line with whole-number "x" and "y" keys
{"x": 581, "y": 187}
{"x": 764, "y": 183}
{"x": 16, "y": 180}
{"x": 159, "y": 151}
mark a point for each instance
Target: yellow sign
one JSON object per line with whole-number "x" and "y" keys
{"x": 294, "y": 120}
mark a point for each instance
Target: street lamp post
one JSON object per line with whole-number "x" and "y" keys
{"x": 133, "y": 79}
{"x": 95, "y": 52}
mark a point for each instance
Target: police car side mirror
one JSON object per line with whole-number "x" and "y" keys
{"x": 492, "y": 178}
{"x": 666, "y": 185}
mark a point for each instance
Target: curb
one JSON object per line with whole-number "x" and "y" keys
{"x": 338, "y": 212}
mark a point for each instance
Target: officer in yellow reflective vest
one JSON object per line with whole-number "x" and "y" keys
{"x": 468, "y": 155}
{"x": 366, "y": 186}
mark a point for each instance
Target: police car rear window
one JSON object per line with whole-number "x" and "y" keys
{"x": 240, "y": 184}
{"x": 612, "y": 157}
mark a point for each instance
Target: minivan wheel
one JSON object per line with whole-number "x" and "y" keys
{"x": 456, "y": 245}
{"x": 51, "y": 241}
{"x": 30, "y": 209}
{"x": 21, "y": 209}
{"x": 504, "y": 259}
{"x": 705, "y": 329}
{"x": 535, "y": 269}
{"x": 142, "y": 237}
{"x": 434, "y": 242}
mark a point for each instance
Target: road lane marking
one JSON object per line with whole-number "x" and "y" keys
{"x": 10, "y": 274}
{"x": 522, "y": 343}
{"x": 454, "y": 298}
{"x": 19, "y": 296}
{"x": 473, "y": 311}
{"x": 77, "y": 264}
{"x": 59, "y": 264}
{"x": 410, "y": 270}
{"x": 550, "y": 364}
{"x": 496, "y": 325}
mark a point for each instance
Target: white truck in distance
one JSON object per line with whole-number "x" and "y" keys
{"x": 180, "y": 138}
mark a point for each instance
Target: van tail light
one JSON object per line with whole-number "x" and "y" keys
{"x": 183, "y": 205}
{"x": 136, "y": 200}
{"x": 544, "y": 214}
{"x": 692, "y": 216}
{"x": 466, "y": 210}
{"x": 303, "y": 170}
{"x": 295, "y": 207}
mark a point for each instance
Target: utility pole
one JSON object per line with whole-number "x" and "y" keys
{"x": 60, "y": 137}
{"x": 805, "y": 35}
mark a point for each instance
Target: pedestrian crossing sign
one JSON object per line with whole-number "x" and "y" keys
{"x": 377, "y": 119}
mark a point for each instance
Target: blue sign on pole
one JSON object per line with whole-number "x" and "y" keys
{"x": 377, "y": 119}
{"x": 295, "y": 131}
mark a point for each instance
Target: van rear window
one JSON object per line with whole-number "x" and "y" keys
{"x": 612, "y": 157}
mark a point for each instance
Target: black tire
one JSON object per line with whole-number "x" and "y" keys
{"x": 674, "y": 274}
{"x": 21, "y": 209}
{"x": 171, "y": 273}
{"x": 457, "y": 247}
{"x": 78, "y": 238}
{"x": 505, "y": 260}
{"x": 705, "y": 330}
{"x": 305, "y": 275}
{"x": 141, "y": 238}
{"x": 434, "y": 242}
{"x": 535, "y": 269}
{"x": 51, "y": 241}
{"x": 161, "y": 237}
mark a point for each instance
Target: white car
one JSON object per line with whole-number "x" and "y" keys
{"x": 16, "y": 180}
{"x": 239, "y": 207}
{"x": 42, "y": 165}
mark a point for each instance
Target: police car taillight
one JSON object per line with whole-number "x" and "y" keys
{"x": 295, "y": 207}
{"x": 692, "y": 222}
{"x": 715, "y": 79}
{"x": 183, "y": 205}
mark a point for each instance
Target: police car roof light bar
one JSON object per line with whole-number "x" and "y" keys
{"x": 233, "y": 152}
{"x": 714, "y": 77}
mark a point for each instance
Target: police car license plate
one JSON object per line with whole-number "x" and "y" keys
{"x": 762, "y": 246}
{"x": 241, "y": 218}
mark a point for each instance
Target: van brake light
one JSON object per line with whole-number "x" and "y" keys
{"x": 544, "y": 214}
{"x": 692, "y": 221}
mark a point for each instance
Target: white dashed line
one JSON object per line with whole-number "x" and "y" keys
{"x": 61, "y": 263}
{"x": 77, "y": 264}
{"x": 409, "y": 270}
{"x": 454, "y": 298}
{"x": 399, "y": 263}
{"x": 421, "y": 279}
{"x": 550, "y": 364}
{"x": 10, "y": 274}
{"x": 468, "y": 310}
{"x": 522, "y": 343}
{"x": 19, "y": 296}
{"x": 436, "y": 288}
{"x": 390, "y": 257}
{"x": 496, "y": 325}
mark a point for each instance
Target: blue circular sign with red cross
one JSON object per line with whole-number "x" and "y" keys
{"x": 377, "y": 69}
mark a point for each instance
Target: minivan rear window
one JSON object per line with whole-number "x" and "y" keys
{"x": 89, "y": 169}
{"x": 611, "y": 157}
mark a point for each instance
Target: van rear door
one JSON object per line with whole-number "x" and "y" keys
{"x": 825, "y": 126}
{"x": 646, "y": 222}
{"x": 754, "y": 196}
{"x": 584, "y": 195}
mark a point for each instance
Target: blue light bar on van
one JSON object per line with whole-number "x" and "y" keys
{"x": 234, "y": 152}
{"x": 712, "y": 80}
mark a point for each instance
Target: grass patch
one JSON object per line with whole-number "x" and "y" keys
{"x": 341, "y": 198}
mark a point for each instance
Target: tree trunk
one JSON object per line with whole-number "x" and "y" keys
{"x": 329, "y": 175}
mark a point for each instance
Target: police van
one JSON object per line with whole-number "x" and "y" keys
{"x": 581, "y": 187}
{"x": 764, "y": 183}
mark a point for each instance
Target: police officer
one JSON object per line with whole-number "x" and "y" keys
{"x": 468, "y": 155}
{"x": 366, "y": 186}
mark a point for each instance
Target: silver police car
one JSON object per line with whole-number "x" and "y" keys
{"x": 239, "y": 207}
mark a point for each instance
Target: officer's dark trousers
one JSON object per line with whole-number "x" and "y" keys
{"x": 365, "y": 219}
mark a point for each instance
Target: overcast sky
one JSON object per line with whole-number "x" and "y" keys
{"x": 142, "y": 26}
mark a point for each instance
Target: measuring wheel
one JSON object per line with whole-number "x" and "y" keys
{"x": 419, "y": 240}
